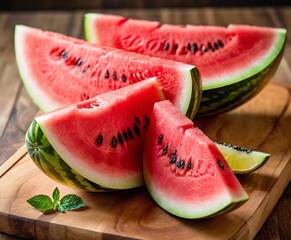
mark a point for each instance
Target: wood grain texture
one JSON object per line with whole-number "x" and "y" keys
{"x": 133, "y": 214}
{"x": 17, "y": 110}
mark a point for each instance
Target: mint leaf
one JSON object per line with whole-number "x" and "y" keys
{"x": 71, "y": 202}
{"x": 44, "y": 202}
{"x": 60, "y": 208}
{"x": 41, "y": 202}
{"x": 56, "y": 195}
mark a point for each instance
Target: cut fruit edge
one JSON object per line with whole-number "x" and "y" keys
{"x": 48, "y": 161}
{"x": 190, "y": 93}
{"x": 242, "y": 161}
{"x": 254, "y": 68}
{"x": 226, "y": 204}
{"x": 231, "y": 194}
{"x": 122, "y": 181}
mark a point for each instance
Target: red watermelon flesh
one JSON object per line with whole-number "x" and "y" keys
{"x": 183, "y": 169}
{"x": 101, "y": 138}
{"x": 222, "y": 55}
{"x": 58, "y": 70}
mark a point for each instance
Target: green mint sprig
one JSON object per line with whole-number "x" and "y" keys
{"x": 45, "y": 203}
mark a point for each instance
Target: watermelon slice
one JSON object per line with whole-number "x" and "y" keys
{"x": 97, "y": 142}
{"x": 235, "y": 62}
{"x": 184, "y": 171}
{"x": 58, "y": 70}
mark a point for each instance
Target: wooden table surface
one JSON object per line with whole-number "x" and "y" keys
{"x": 17, "y": 109}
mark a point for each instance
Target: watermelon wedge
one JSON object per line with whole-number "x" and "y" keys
{"x": 58, "y": 70}
{"x": 235, "y": 62}
{"x": 184, "y": 171}
{"x": 98, "y": 140}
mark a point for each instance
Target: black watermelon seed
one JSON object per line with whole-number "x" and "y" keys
{"x": 123, "y": 78}
{"x": 229, "y": 145}
{"x": 79, "y": 62}
{"x": 189, "y": 46}
{"x": 249, "y": 151}
{"x": 216, "y": 46}
{"x": 100, "y": 139}
{"x": 64, "y": 55}
{"x": 237, "y": 148}
{"x": 136, "y": 129}
{"x": 218, "y": 142}
{"x": 137, "y": 119}
{"x": 147, "y": 119}
{"x": 204, "y": 49}
{"x": 145, "y": 126}
{"x": 114, "y": 76}
{"x": 174, "y": 152}
{"x": 84, "y": 70}
{"x": 173, "y": 159}
{"x": 107, "y": 74}
{"x": 220, "y": 43}
{"x": 114, "y": 142}
{"x": 210, "y": 47}
{"x": 195, "y": 47}
{"x": 160, "y": 138}
{"x": 220, "y": 164}
{"x": 182, "y": 164}
{"x": 129, "y": 132}
{"x": 167, "y": 46}
{"x": 165, "y": 150}
{"x": 125, "y": 135}
{"x": 176, "y": 46}
{"x": 178, "y": 164}
{"x": 189, "y": 164}
{"x": 120, "y": 140}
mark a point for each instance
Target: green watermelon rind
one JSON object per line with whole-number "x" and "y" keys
{"x": 222, "y": 99}
{"x": 267, "y": 59}
{"x": 225, "y": 206}
{"x": 190, "y": 91}
{"x": 233, "y": 90}
{"x": 257, "y": 67}
{"x": 88, "y": 26}
{"x": 194, "y": 93}
{"x": 50, "y": 163}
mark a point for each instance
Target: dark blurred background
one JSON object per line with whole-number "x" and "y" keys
{"x": 20, "y": 5}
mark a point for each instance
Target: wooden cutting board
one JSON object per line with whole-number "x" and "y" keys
{"x": 263, "y": 124}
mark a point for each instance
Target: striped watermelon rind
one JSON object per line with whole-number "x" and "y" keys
{"x": 45, "y": 98}
{"x": 222, "y": 99}
{"x": 194, "y": 95}
{"x": 49, "y": 162}
{"x": 224, "y": 93}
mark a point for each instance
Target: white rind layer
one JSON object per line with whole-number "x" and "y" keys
{"x": 104, "y": 179}
{"x": 220, "y": 80}
{"x": 193, "y": 210}
{"x": 37, "y": 95}
{"x": 252, "y": 69}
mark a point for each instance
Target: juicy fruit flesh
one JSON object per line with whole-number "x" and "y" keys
{"x": 185, "y": 172}
{"x": 58, "y": 70}
{"x": 221, "y": 54}
{"x": 74, "y": 132}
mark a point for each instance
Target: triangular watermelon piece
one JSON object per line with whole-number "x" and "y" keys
{"x": 100, "y": 139}
{"x": 235, "y": 62}
{"x": 58, "y": 70}
{"x": 184, "y": 171}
